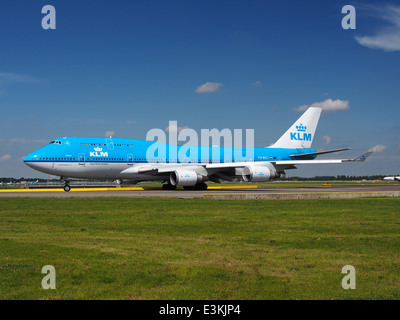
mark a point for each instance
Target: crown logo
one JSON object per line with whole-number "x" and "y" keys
{"x": 301, "y": 128}
{"x": 98, "y": 149}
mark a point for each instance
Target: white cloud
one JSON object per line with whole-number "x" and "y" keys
{"x": 387, "y": 38}
{"x": 209, "y": 87}
{"x": 327, "y": 139}
{"x": 257, "y": 84}
{"x": 327, "y": 105}
{"x": 387, "y": 42}
{"x": 173, "y": 128}
{"x": 6, "y": 157}
{"x": 22, "y": 140}
{"x": 108, "y": 134}
{"x": 378, "y": 148}
{"x": 7, "y": 77}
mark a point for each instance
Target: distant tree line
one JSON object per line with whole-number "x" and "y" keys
{"x": 16, "y": 180}
{"x": 316, "y": 178}
{"x": 334, "y": 178}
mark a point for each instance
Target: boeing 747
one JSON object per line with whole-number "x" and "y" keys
{"x": 127, "y": 160}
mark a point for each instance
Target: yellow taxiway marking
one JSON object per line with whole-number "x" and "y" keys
{"x": 118, "y": 189}
{"x": 233, "y": 187}
{"x": 62, "y": 190}
{"x": 277, "y": 193}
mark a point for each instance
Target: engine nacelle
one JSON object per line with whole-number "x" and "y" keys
{"x": 185, "y": 178}
{"x": 258, "y": 174}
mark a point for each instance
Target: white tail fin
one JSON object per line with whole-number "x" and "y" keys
{"x": 301, "y": 133}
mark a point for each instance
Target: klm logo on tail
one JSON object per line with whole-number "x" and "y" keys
{"x": 301, "y": 134}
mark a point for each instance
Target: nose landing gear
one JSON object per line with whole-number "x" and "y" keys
{"x": 66, "y": 187}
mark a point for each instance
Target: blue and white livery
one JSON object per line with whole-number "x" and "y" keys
{"x": 126, "y": 160}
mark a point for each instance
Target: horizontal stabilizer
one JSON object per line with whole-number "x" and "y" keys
{"x": 305, "y": 155}
{"x": 362, "y": 157}
{"x": 327, "y": 161}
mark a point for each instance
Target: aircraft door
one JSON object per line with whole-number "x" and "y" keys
{"x": 81, "y": 158}
{"x": 110, "y": 144}
{"x": 130, "y": 159}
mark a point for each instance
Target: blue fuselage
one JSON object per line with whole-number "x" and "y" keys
{"x": 100, "y": 150}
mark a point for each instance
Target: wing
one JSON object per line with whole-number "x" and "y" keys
{"x": 226, "y": 171}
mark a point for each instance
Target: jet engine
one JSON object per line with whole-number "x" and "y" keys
{"x": 185, "y": 178}
{"x": 258, "y": 174}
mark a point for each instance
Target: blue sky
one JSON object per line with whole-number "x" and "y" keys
{"x": 125, "y": 67}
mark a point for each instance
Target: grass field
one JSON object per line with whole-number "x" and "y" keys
{"x": 156, "y": 248}
{"x": 268, "y": 185}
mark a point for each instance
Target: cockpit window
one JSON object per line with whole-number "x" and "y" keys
{"x": 55, "y": 142}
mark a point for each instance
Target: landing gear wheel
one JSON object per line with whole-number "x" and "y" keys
{"x": 200, "y": 186}
{"x": 66, "y": 184}
{"x": 203, "y": 186}
{"x": 168, "y": 186}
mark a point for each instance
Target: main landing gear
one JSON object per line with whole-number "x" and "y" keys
{"x": 168, "y": 186}
{"x": 199, "y": 186}
{"x": 66, "y": 187}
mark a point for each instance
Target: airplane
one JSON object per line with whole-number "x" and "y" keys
{"x": 125, "y": 159}
{"x": 393, "y": 178}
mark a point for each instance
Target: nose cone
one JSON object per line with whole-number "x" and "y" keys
{"x": 30, "y": 160}
{"x": 36, "y": 160}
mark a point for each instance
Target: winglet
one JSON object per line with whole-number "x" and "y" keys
{"x": 362, "y": 157}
